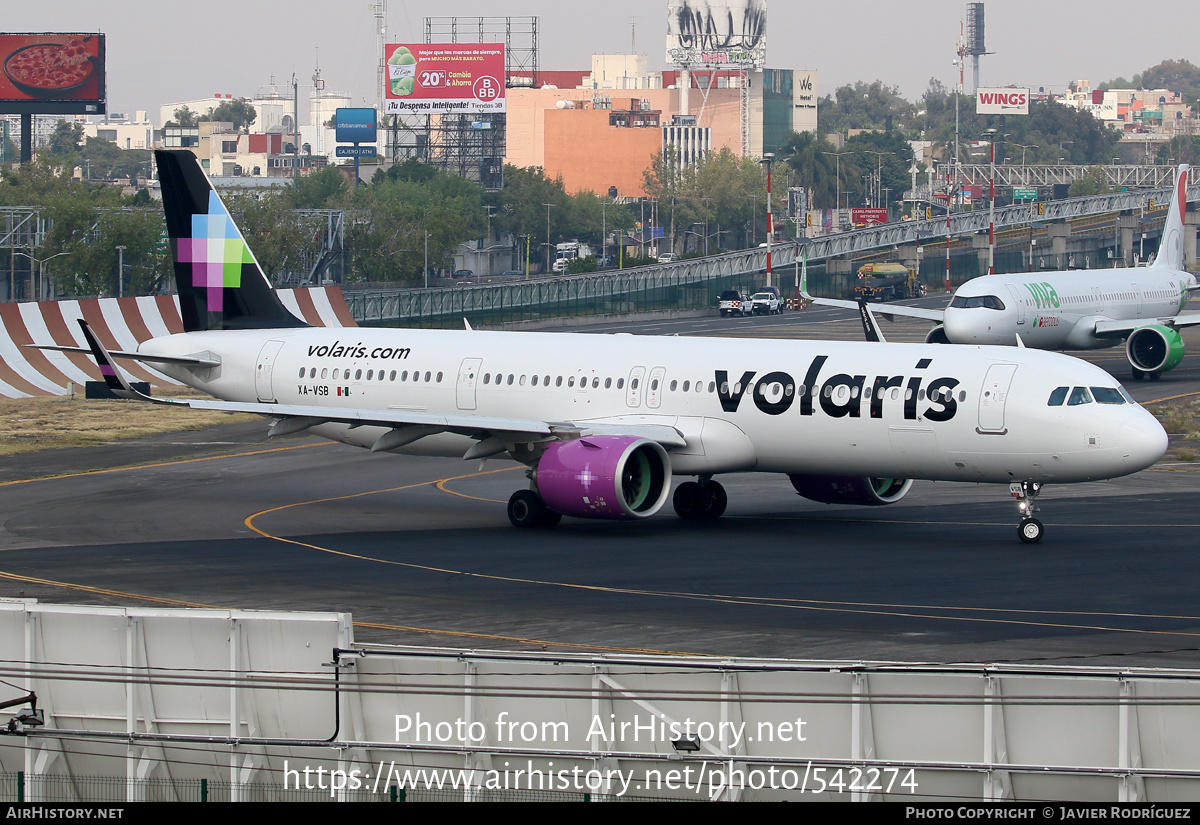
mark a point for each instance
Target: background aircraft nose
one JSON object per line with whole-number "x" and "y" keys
{"x": 1143, "y": 443}
{"x": 959, "y": 328}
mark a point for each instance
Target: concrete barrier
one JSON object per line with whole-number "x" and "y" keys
{"x": 120, "y": 323}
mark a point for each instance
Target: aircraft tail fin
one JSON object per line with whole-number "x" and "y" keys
{"x": 1170, "y": 251}
{"x": 221, "y": 285}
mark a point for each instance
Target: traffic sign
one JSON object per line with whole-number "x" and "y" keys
{"x": 355, "y": 152}
{"x": 1024, "y": 194}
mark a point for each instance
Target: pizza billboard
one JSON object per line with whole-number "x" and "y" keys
{"x": 52, "y": 74}
{"x": 444, "y": 78}
{"x": 1002, "y": 102}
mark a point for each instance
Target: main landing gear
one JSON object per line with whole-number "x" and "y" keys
{"x": 705, "y": 499}
{"x": 1153, "y": 375}
{"x": 1030, "y": 530}
{"x": 526, "y": 509}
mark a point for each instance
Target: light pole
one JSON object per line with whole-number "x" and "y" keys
{"x": 120, "y": 272}
{"x": 837, "y": 203}
{"x": 992, "y": 204}
{"x": 488, "y": 265}
{"x": 603, "y": 232}
{"x": 548, "y": 207}
{"x": 41, "y": 263}
{"x": 1023, "y": 148}
{"x": 768, "y": 158}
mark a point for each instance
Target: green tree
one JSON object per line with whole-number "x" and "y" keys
{"x": 324, "y": 188}
{"x": 237, "y": 111}
{"x": 183, "y": 116}
{"x": 887, "y": 155}
{"x": 521, "y": 209}
{"x": 1179, "y": 76}
{"x": 1095, "y": 182}
{"x": 863, "y": 106}
{"x": 64, "y": 140}
{"x": 1179, "y": 149}
{"x": 106, "y": 160}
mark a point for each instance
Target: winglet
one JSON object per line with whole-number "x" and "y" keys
{"x": 870, "y": 328}
{"x": 467, "y": 325}
{"x": 112, "y": 376}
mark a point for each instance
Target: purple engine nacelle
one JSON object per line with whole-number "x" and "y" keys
{"x": 604, "y": 476}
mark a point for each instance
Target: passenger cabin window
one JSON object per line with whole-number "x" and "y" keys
{"x": 1058, "y": 396}
{"x": 972, "y": 302}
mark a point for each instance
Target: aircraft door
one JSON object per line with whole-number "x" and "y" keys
{"x": 654, "y": 387}
{"x": 468, "y": 378}
{"x": 992, "y": 397}
{"x": 633, "y": 391}
{"x": 267, "y": 357}
{"x": 1018, "y": 304}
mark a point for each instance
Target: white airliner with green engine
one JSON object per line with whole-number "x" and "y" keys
{"x": 1079, "y": 309}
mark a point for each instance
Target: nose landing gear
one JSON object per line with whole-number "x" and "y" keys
{"x": 1030, "y": 530}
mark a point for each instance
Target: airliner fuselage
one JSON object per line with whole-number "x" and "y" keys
{"x": 796, "y": 407}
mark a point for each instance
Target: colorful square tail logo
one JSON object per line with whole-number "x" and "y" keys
{"x": 216, "y": 252}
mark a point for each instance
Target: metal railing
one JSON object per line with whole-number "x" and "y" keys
{"x": 19, "y": 788}
{"x": 695, "y": 283}
{"x": 1141, "y": 176}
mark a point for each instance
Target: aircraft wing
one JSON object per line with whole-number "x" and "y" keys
{"x": 295, "y": 417}
{"x": 1119, "y": 329}
{"x": 887, "y": 311}
{"x": 199, "y": 360}
{"x": 493, "y": 433}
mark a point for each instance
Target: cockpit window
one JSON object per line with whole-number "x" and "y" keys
{"x": 971, "y": 302}
{"x": 1058, "y": 396}
{"x": 1107, "y": 395}
{"x": 1079, "y": 395}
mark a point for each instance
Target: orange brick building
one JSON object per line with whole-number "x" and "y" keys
{"x": 594, "y": 149}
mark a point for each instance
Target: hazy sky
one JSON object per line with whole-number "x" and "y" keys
{"x": 160, "y": 52}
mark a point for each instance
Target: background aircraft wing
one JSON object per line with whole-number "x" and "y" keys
{"x": 887, "y": 311}
{"x": 1119, "y": 329}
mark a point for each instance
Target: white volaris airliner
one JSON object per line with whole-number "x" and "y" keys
{"x": 603, "y": 422}
{"x": 1079, "y": 309}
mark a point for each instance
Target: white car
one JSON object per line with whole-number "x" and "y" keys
{"x": 667, "y": 258}
{"x": 765, "y": 303}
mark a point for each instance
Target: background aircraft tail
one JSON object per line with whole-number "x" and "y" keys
{"x": 1170, "y": 252}
{"x": 221, "y": 285}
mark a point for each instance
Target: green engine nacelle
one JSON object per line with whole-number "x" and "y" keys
{"x": 1154, "y": 349}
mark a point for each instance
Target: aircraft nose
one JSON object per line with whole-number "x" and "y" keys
{"x": 959, "y": 328}
{"x": 1143, "y": 443}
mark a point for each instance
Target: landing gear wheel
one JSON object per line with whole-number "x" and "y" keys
{"x": 717, "y": 500}
{"x": 1155, "y": 375}
{"x": 1031, "y": 531}
{"x": 526, "y": 509}
{"x": 1138, "y": 375}
{"x": 689, "y": 501}
{"x": 550, "y": 518}
{"x": 1026, "y": 492}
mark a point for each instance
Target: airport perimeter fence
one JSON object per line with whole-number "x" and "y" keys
{"x": 17, "y": 788}
{"x": 688, "y": 285}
